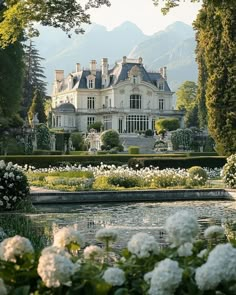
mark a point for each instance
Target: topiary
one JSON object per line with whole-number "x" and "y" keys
{"x": 229, "y": 171}
{"x": 14, "y": 186}
{"x": 197, "y": 175}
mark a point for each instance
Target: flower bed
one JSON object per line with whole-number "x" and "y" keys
{"x": 187, "y": 265}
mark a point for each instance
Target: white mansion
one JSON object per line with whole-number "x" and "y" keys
{"x": 126, "y": 98}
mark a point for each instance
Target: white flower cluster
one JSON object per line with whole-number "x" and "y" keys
{"x": 14, "y": 247}
{"x": 66, "y": 235}
{"x": 114, "y": 276}
{"x": 3, "y": 290}
{"x": 92, "y": 252}
{"x": 55, "y": 270}
{"x": 165, "y": 278}
{"x": 143, "y": 245}
{"x": 182, "y": 227}
{"x": 214, "y": 231}
{"x": 220, "y": 266}
{"x": 55, "y": 250}
{"x": 185, "y": 250}
{"x": 106, "y": 234}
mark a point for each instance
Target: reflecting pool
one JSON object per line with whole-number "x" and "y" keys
{"x": 129, "y": 218}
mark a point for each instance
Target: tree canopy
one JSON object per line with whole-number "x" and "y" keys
{"x": 19, "y": 16}
{"x": 187, "y": 100}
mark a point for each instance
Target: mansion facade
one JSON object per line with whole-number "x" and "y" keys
{"x": 126, "y": 98}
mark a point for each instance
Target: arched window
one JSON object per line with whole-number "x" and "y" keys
{"x": 135, "y": 101}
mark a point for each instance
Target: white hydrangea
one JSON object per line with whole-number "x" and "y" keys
{"x": 67, "y": 235}
{"x": 91, "y": 252}
{"x": 3, "y": 290}
{"x": 55, "y": 250}
{"x": 55, "y": 270}
{"x": 166, "y": 277}
{"x": 203, "y": 253}
{"x": 220, "y": 266}
{"x": 214, "y": 231}
{"x": 114, "y": 276}
{"x": 142, "y": 245}
{"x": 106, "y": 234}
{"x": 14, "y": 247}
{"x": 185, "y": 250}
{"x": 182, "y": 227}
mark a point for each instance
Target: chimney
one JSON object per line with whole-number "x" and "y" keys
{"x": 59, "y": 75}
{"x": 104, "y": 66}
{"x": 163, "y": 72}
{"x": 124, "y": 59}
{"x": 140, "y": 60}
{"x": 77, "y": 69}
{"x": 93, "y": 64}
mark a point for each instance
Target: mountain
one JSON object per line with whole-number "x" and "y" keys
{"x": 173, "y": 47}
{"x": 61, "y": 52}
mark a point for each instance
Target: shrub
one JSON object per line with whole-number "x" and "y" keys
{"x": 197, "y": 175}
{"x": 43, "y": 137}
{"x": 229, "y": 171}
{"x": 124, "y": 181}
{"x": 14, "y": 188}
{"x": 133, "y": 150}
{"x": 149, "y": 132}
{"x": 77, "y": 141}
{"x": 110, "y": 139}
{"x": 167, "y": 124}
{"x": 182, "y": 139}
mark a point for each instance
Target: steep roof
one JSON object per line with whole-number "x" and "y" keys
{"x": 66, "y": 108}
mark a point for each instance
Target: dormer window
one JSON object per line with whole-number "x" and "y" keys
{"x": 135, "y": 79}
{"x": 160, "y": 85}
{"x": 91, "y": 82}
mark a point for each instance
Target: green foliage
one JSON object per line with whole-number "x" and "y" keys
{"x": 229, "y": 171}
{"x": 182, "y": 139}
{"x": 77, "y": 141}
{"x": 14, "y": 188}
{"x": 149, "y": 132}
{"x": 133, "y": 150}
{"x": 37, "y": 107}
{"x": 20, "y": 15}
{"x": 43, "y": 137}
{"x": 177, "y": 162}
{"x": 167, "y": 124}
{"x": 125, "y": 181}
{"x": 11, "y": 73}
{"x": 216, "y": 48}
{"x": 96, "y": 125}
{"x": 197, "y": 176}
{"x": 33, "y": 77}
{"x": 110, "y": 139}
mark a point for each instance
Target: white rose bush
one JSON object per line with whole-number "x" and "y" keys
{"x": 14, "y": 188}
{"x": 190, "y": 263}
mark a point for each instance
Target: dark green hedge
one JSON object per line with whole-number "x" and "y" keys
{"x": 162, "y": 163}
{"x": 43, "y": 161}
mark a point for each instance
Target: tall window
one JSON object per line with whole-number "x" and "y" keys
{"x": 107, "y": 122}
{"x": 136, "y": 123}
{"x": 160, "y": 85}
{"x": 90, "y": 121}
{"x": 120, "y": 125}
{"x": 91, "y": 103}
{"x": 91, "y": 83}
{"x": 153, "y": 124}
{"x": 161, "y": 104}
{"x": 135, "y": 101}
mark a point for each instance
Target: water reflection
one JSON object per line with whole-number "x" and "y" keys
{"x": 129, "y": 218}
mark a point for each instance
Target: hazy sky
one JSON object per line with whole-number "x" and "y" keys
{"x": 144, "y": 14}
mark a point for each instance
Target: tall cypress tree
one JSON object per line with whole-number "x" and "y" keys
{"x": 37, "y": 106}
{"x": 216, "y": 51}
{"x": 33, "y": 77}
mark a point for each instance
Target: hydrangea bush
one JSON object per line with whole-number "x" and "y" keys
{"x": 229, "y": 171}
{"x": 187, "y": 265}
{"x": 14, "y": 186}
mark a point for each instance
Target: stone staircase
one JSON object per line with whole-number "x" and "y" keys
{"x": 145, "y": 144}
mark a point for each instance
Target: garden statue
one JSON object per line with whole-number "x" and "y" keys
{"x": 93, "y": 139}
{"x": 53, "y": 142}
